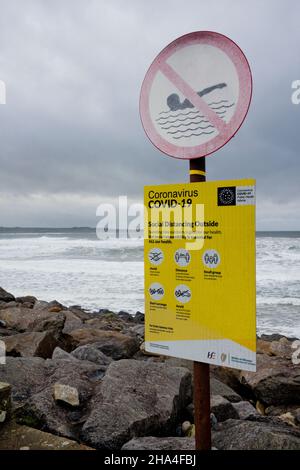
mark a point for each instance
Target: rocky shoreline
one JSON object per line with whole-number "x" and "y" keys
{"x": 80, "y": 380}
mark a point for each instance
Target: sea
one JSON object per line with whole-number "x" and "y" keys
{"x": 75, "y": 267}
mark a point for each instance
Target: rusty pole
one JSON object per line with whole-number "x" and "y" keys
{"x": 201, "y": 370}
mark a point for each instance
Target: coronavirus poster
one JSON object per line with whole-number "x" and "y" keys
{"x": 200, "y": 298}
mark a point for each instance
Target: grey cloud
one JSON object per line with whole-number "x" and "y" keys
{"x": 73, "y": 71}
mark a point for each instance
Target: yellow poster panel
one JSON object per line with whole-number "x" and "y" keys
{"x": 200, "y": 272}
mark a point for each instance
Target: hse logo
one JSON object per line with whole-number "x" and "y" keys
{"x": 211, "y": 355}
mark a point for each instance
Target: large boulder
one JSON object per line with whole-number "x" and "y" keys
{"x": 262, "y": 434}
{"x": 276, "y": 382}
{"x": 222, "y": 408}
{"x": 72, "y": 322}
{"x": 219, "y": 388}
{"x": 16, "y": 437}
{"x": 27, "y": 376}
{"x": 18, "y": 318}
{"x": 6, "y": 296}
{"x": 40, "y": 344}
{"x": 111, "y": 343}
{"x": 136, "y": 399}
{"x": 43, "y": 410}
{"x": 160, "y": 443}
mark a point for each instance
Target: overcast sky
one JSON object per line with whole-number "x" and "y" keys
{"x": 70, "y": 133}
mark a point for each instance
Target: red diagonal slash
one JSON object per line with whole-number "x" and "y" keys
{"x": 192, "y": 96}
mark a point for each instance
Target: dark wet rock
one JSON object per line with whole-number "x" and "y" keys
{"x": 139, "y": 317}
{"x": 264, "y": 434}
{"x": 6, "y": 296}
{"x": 222, "y": 408}
{"x": 160, "y": 443}
{"x": 111, "y": 343}
{"x": 29, "y": 300}
{"x": 276, "y": 382}
{"x": 125, "y": 316}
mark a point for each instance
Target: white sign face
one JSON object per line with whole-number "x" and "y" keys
{"x": 195, "y": 95}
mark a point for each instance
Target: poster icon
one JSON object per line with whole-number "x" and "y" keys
{"x": 156, "y": 256}
{"x": 156, "y": 291}
{"x": 182, "y": 257}
{"x": 211, "y": 259}
{"x": 183, "y": 293}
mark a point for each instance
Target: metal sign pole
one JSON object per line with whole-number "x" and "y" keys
{"x": 201, "y": 370}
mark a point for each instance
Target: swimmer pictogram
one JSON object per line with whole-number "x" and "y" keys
{"x": 195, "y": 95}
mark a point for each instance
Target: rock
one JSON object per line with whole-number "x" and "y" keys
{"x": 281, "y": 347}
{"x": 27, "y": 376}
{"x": 139, "y": 317}
{"x": 125, "y": 316}
{"x": 66, "y": 394}
{"x": 55, "y": 309}
{"x": 260, "y": 408}
{"x": 138, "y": 330}
{"x": 41, "y": 305}
{"x": 134, "y": 399}
{"x": 288, "y": 418}
{"x": 111, "y": 343}
{"x": 160, "y": 443}
{"x": 89, "y": 352}
{"x": 6, "y": 296}
{"x": 72, "y": 322}
{"x": 27, "y": 299}
{"x": 80, "y": 312}
{"x": 255, "y": 435}
{"x": 282, "y": 409}
{"x": 41, "y": 411}
{"x": 59, "y": 353}
{"x": 18, "y": 318}
{"x": 3, "y": 323}
{"x": 52, "y": 323}
{"x": 288, "y": 413}
{"x": 16, "y": 437}
{"x": 30, "y": 344}
{"x": 25, "y": 319}
{"x": 219, "y": 388}
{"x": 245, "y": 410}
{"x": 146, "y": 353}
{"x": 276, "y": 382}
{"x": 222, "y": 408}
{"x": 227, "y": 376}
{"x": 5, "y": 401}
